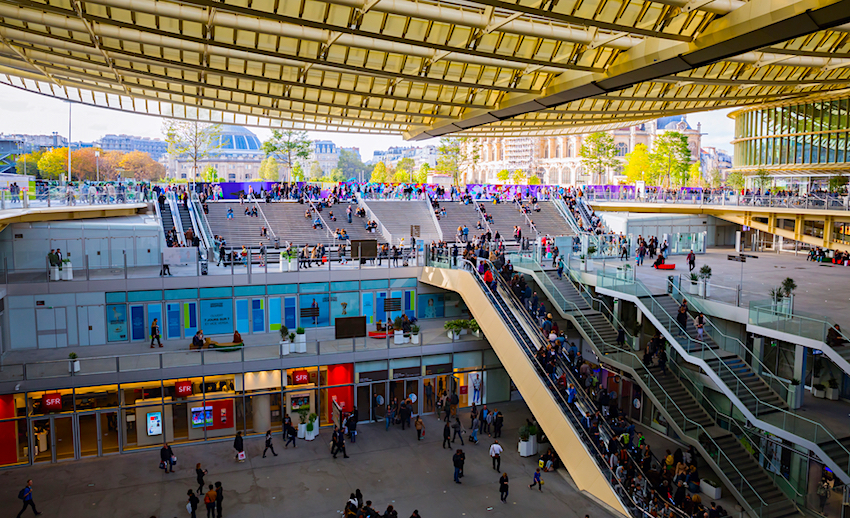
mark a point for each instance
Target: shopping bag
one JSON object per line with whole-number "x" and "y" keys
{"x": 189, "y": 508}
{"x": 174, "y": 459}
{"x": 241, "y": 455}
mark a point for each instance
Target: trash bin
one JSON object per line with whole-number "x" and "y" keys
{"x": 670, "y": 280}
{"x": 204, "y": 267}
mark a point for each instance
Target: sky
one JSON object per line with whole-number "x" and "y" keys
{"x": 31, "y": 113}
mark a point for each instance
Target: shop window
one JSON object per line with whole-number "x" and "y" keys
{"x": 51, "y": 402}
{"x": 136, "y": 393}
{"x": 15, "y": 444}
{"x": 217, "y": 316}
{"x": 319, "y": 301}
{"x": 91, "y": 398}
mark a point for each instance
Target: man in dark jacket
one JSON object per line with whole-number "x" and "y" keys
{"x": 237, "y": 445}
{"x": 339, "y": 436}
{"x": 457, "y": 461}
{"x": 219, "y": 497}
{"x": 498, "y": 420}
{"x": 447, "y": 436}
{"x": 165, "y": 455}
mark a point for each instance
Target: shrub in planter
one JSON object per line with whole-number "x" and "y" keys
{"x": 473, "y": 326}
{"x": 302, "y": 414}
{"x": 311, "y": 422}
{"x": 795, "y": 381}
{"x": 397, "y": 323}
{"x": 414, "y": 332}
{"x": 832, "y": 383}
{"x": 300, "y": 331}
{"x": 291, "y": 337}
{"x": 818, "y": 390}
{"x": 72, "y": 356}
{"x": 284, "y": 333}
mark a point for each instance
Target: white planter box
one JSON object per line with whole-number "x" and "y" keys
{"x": 309, "y": 436}
{"x": 709, "y": 490}
{"x": 67, "y": 272}
{"x": 74, "y": 366}
{"x": 455, "y": 336}
{"x": 818, "y": 393}
{"x": 707, "y": 289}
{"x": 832, "y": 393}
{"x": 527, "y": 448}
{"x": 477, "y": 334}
{"x": 693, "y": 289}
{"x": 415, "y": 339}
{"x": 398, "y": 337}
{"x": 284, "y": 348}
{"x": 300, "y": 344}
{"x": 54, "y": 273}
{"x": 302, "y": 430}
{"x": 701, "y": 288}
{"x": 282, "y": 263}
{"x": 293, "y": 265}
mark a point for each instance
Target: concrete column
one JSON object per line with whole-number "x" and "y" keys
{"x": 758, "y": 352}
{"x": 261, "y": 408}
{"x": 799, "y": 372}
{"x": 551, "y": 143}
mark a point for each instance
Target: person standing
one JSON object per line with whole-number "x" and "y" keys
{"x": 269, "y": 445}
{"x": 503, "y": 488}
{"x": 447, "y": 436}
{"x": 219, "y": 497}
{"x": 458, "y": 431}
{"x": 155, "y": 332}
{"x": 26, "y": 495}
{"x": 699, "y": 322}
{"x": 200, "y": 474}
{"x": 420, "y": 427}
{"x": 457, "y": 461}
{"x": 498, "y": 421}
{"x": 193, "y": 503}
{"x": 476, "y": 424}
{"x": 536, "y": 481}
{"x": 239, "y": 446}
{"x": 166, "y": 457}
{"x": 496, "y": 455}
{"x": 209, "y": 501}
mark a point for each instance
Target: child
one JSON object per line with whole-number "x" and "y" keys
{"x": 536, "y": 481}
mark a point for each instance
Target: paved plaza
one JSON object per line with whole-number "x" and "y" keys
{"x": 389, "y": 467}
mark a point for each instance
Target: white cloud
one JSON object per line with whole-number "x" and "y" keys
{"x": 718, "y": 128}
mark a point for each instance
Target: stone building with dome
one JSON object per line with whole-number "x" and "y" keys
{"x": 555, "y": 160}
{"x": 236, "y": 158}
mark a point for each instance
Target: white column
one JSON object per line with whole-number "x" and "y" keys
{"x": 261, "y": 409}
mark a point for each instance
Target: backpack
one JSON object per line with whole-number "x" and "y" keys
{"x": 207, "y": 499}
{"x": 455, "y": 399}
{"x": 22, "y": 494}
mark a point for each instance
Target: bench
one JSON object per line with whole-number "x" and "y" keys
{"x": 666, "y": 267}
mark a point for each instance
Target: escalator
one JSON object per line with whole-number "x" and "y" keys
{"x": 186, "y": 220}
{"x": 752, "y": 486}
{"x": 497, "y": 315}
{"x": 166, "y": 217}
{"x": 761, "y": 399}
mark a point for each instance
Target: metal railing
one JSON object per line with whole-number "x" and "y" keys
{"x": 727, "y": 198}
{"x": 766, "y": 313}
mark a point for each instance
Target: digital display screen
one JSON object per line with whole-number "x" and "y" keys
{"x": 202, "y": 416}
{"x": 154, "y": 423}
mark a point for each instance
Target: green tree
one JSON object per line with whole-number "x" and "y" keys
{"x": 638, "y": 166}
{"x": 694, "y": 176}
{"x": 735, "y": 180}
{"x": 54, "y": 163}
{"x": 503, "y": 176}
{"x": 671, "y": 158}
{"x": 289, "y": 146}
{"x": 518, "y": 177}
{"x": 351, "y": 165}
{"x": 598, "y": 154}
{"x": 337, "y": 175}
{"x": 316, "y": 170}
{"x": 458, "y": 157}
{"x": 405, "y": 164}
{"x": 297, "y": 174}
{"x": 379, "y": 174}
{"x": 270, "y": 169}
{"x": 713, "y": 179}
{"x": 762, "y": 179}
{"x": 401, "y": 176}
{"x": 838, "y": 183}
{"x": 192, "y": 140}
{"x": 422, "y": 175}
{"x": 534, "y": 180}
{"x": 28, "y": 163}
{"x": 210, "y": 174}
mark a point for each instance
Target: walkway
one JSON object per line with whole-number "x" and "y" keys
{"x": 388, "y": 467}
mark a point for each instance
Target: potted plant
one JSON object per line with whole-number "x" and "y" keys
{"x": 302, "y": 426}
{"x": 414, "y": 334}
{"x": 398, "y": 333}
{"x": 474, "y": 328}
{"x": 74, "y": 363}
{"x": 832, "y": 389}
{"x": 818, "y": 390}
{"x": 67, "y": 270}
{"x": 453, "y": 328}
{"x": 284, "y": 340}
{"x": 527, "y": 441}
{"x": 788, "y": 286}
{"x": 312, "y": 428}
{"x": 694, "y": 288}
{"x": 291, "y": 260}
{"x": 817, "y": 369}
{"x": 710, "y": 488}
{"x": 705, "y": 275}
{"x": 300, "y": 344}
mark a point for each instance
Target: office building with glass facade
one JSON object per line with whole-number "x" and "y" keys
{"x": 799, "y": 144}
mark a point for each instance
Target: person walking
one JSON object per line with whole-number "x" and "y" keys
{"x": 239, "y": 447}
{"x": 219, "y": 498}
{"x": 503, "y": 488}
{"x": 458, "y": 431}
{"x": 166, "y": 457}
{"x": 682, "y": 320}
{"x": 457, "y": 462}
{"x": 420, "y": 427}
{"x": 209, "y": 501}
{"x": 476, "y": 424}
{"x": 498, "y": 421}
{"x": 269, "y": 445}
{"x": 447, "y": 436}
{"x": 193, "y": 503}
{"x": 699, "y": 322}
{"x": 692, "y": 261}
{"x": 496, "y": 455}
{"x": 340, "y": 444}
{"x": 200, "y": 474}
{"x": 155, "y": 332}
{"x": 822, "y": 492}
{"x": 291, "y": 433}
{"x": 536, "y": 481}
{"x": 25, "y": 494}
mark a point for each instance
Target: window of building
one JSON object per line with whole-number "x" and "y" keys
{"x": 622, "y": 149}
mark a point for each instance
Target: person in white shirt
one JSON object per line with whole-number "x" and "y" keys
{"x": 496, "y": 455}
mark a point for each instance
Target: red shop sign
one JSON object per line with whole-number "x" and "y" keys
{"x": 300, "y": 377}
{"x": 464, "y": 389}
{"x": 52, "y": 401}
{"x": 184, "y": 388}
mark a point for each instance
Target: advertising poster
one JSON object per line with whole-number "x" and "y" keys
{"x": 320, "y": 301}
{"x": 475, "y": 380}
{"x": 345, "y": 304}
{"x": 202, "y": 416}
{"x": 455, "y": 306}
{"x": 432, "y": 305}
{"x": 154, "y": 423}
{"x": 137, "y": 322}
{"x": 116, "y": 328}
{"x": 217, "y": 316}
